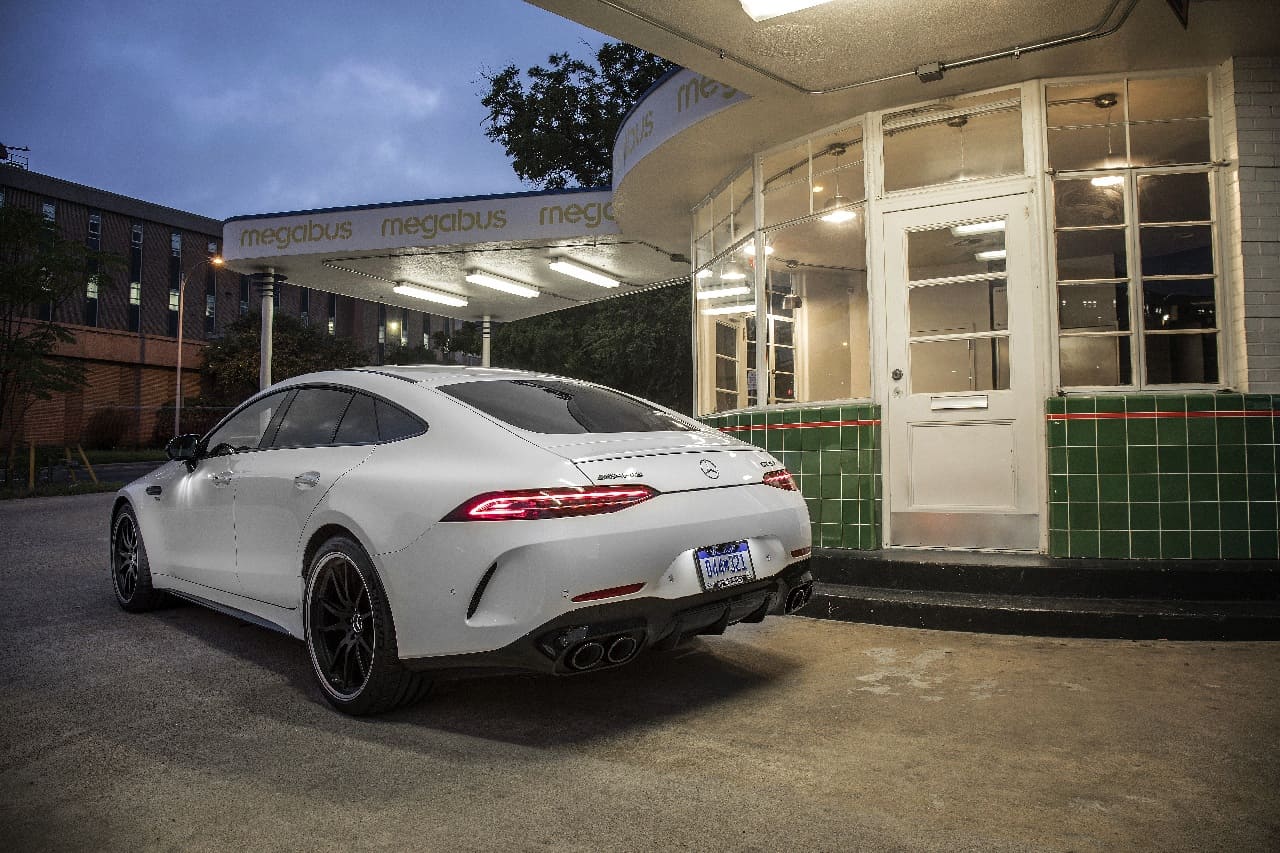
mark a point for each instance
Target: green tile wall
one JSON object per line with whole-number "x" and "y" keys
{"x": 1168, "y": 476}
{"x": 834, "y": 454}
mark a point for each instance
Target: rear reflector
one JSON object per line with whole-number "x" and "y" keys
{"x": 611, "y": 592}
{"x": 780, "y": 479}
{"x": 528, "y": 504}
{"x": 802, "y": 552}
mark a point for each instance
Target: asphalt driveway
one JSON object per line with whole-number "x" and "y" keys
{"x": 186, "y": 729}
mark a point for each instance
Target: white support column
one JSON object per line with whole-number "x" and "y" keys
{"x": 268, "y": 287}
{"x": 485, "y": 335}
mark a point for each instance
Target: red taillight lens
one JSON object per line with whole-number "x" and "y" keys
{"x": 527, "y": 504}
{"x": 780, "y": 479}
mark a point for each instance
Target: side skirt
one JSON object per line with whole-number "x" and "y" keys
{"x": 234, "y": 612}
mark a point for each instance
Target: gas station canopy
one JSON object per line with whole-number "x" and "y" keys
{"x": 503, "y": 257}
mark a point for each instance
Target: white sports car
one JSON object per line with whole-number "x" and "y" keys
{"x": 411, "y": 521}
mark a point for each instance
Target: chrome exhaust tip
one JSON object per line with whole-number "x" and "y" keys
{"x": 586, "y": 656}
{"x": 798, "y": 598}
{"x": 622, "y": 649}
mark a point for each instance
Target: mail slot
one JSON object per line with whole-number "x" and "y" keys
{"x": 972, "y": 401}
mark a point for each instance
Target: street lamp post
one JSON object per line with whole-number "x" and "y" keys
{"x": 212, "y": 260}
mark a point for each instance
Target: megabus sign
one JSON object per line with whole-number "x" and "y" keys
{"x": 677, "y": 103}
{"x": 485, "y": 219}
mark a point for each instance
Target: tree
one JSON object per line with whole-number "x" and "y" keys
{"x": 39, "y": 270}
{"x": 230, "y": 369}
{"x": 558, "y": 129}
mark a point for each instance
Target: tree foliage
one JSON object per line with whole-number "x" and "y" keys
{"x": 38, "y": 269}
{"x": 231, "y": 362}
{"x": 557, "y": 122}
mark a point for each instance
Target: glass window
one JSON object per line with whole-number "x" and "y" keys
{"x": 724, "y": 218}
{"x": 960, "y": 139}
{"x": 394, "y": 423}
{"x": 359, "y": 424}
{"x": 243, "y": 431}
{"x": 825, "y": 171}
{"x": 49, "y": 210}
{"x": 135, "y": 236}
{"x": 175, "y": 244}
{"x": 312, "y": 418}
{"x": 557, "y": 406}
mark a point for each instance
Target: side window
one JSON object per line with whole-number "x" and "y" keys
{"x": 244, "y": 430}
{"x": 359, "y": 424}
{"x": 312, "y": 419}
{"x": 395, "y": 423}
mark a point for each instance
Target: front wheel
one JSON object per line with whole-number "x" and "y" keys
{"x": 350, "y": 636}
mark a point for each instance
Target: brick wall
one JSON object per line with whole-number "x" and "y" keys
{"x": 1250, "y": 106}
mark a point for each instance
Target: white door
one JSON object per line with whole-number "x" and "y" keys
{"x": 961, "y": 416}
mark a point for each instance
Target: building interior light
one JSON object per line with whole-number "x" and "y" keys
{"x": 733, "y": 271}
{"x": 750, "y": 249}
{"x": 1108, "y": 181}
{"x": 729, "y": 309}
{"x": 429, "y": 295}
{"x": 583, "y": 273}
{"x": 970, "y": 228}
{"x": 990, "y": 255}
{"x": 720, "y": 292}
{"x": 497, "y": 282}
{"x": 763, "y": 10}
{"x": 836, "y": 211}
{"x": 704, "y": 273}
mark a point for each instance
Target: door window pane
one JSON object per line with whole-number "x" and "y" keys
{"x": 968, "y": 248}
{"x": 243, "y": 431}
{"x": 312, "y": 419}
{"x": 1093, "y": 360}
{"x": 1182, "y": 358}
{"x": 974, "y": 364}
{"x": 969, "y": 306}
{"x": 1178, "y": 197}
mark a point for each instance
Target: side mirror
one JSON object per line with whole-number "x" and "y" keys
{"x": 183, "y": 448}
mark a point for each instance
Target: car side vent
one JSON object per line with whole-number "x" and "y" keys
{"x": 479, "y": 593}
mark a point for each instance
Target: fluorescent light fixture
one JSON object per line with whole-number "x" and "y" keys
{"x": 977, "y": 228}
{"x": 583, "y": 273}
{"x": 763, "y": 10}
{"x": 429, "y": 295}
{"x": 1108, "y": 181}
{"x": 990, "y": 255}
{"x": 781, "y": 319}
{"x": 724, "y": 291}
{"x": 497, "y": 282}
{"x": 729, "y": 309}
{"x": 733, "y": 271}
{"x": 750, "y": 249}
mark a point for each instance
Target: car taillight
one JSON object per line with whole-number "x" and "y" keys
{"x": 780, "y": 479}
{"x": 527, "y": 504}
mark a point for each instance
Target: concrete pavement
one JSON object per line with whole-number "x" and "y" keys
{"x": 186, "y": 729}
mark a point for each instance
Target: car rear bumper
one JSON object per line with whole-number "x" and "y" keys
{"x": 621, "y": 630}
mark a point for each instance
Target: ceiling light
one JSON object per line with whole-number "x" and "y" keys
{"x": 836, "y": 210}
{"x": 977, "y": 228}
{"x": 729, "y": 309}
{"x": 990, "y": 255}
{"x": 1108, "y": 181}
{"x": 583, "y": 273}
{"x": 817, "y": 188}
{"x": 719, "y": 292}
{"x": 763, "y": 10}
{"x": 733, "y": 271}
{"x": 750, "y": 249}
{"x": 506, "y": 285}
{"x": 429, "y": 295}
{"x": 703, "y": 273}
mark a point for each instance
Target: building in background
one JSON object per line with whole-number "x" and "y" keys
{"x": 125, "y": 321}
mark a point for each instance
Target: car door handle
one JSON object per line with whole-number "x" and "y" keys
{"x": 221, "y": 478}
{"x": 307, "y": 479}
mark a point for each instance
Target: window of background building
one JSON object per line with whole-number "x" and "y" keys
{"x": 49, "y": 210}
{"x": 135, "y": 277}
{"x": 1134, "y": 232}
{"x": 333, "y": 314}
{"x": 93, "y": 241}
{"x": 304, "y": 306}
{"x": 175, "y": 280}
{"x": 382, "y": 333}
{"x": 244, "y": 295}
{"x": 957, "y": 139}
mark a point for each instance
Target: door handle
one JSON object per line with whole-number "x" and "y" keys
{"x": 221, "y": 478}
{"x": 307, "y": 479}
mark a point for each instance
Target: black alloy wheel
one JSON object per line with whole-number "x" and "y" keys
{"x": 349, "y": 634}
{"x": 130, "y": 569}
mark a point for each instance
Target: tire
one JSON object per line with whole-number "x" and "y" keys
{"x": 130, "y": 568}
{"x": 350, "y": 636}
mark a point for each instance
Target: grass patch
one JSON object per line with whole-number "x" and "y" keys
{"x": 51, "y": 490}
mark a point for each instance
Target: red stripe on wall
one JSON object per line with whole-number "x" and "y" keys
{"x": 809, "y": 425}
{"x": 1105, "y": 416}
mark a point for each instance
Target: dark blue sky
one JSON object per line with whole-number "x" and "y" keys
{"x": 247, "y": 107}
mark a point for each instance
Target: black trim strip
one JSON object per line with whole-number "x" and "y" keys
{"x": 480, "y": 587}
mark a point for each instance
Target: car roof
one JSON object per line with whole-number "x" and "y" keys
{"x": 419, "y": 374}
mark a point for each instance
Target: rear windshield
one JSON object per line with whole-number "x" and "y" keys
{"x": 554, "y": 406}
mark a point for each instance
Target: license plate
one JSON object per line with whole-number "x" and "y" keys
{"x": 724, "y": 565}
